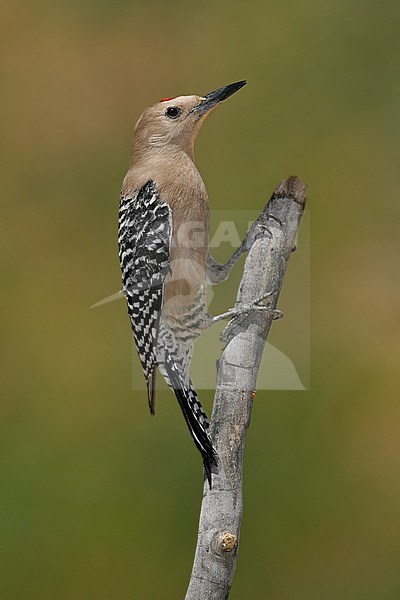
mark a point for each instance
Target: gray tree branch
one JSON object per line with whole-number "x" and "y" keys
{"x": 272, "y": 237}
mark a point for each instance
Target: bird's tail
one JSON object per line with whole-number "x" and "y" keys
{"x": 195, "y": 416}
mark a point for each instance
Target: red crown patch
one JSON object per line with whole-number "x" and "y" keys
{"x": 166, "y": 99}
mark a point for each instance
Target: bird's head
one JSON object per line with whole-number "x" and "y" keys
{"x": 177, "y": 120}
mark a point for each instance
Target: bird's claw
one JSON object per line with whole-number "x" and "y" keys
{"x": 238, "y": 314}
{"x": 276, "y": 219}
{"x": 256, "y": 306}
{"x": 265, "y": 230}
{"x": 260, "y": 229}
{"x": 256, "y": 232}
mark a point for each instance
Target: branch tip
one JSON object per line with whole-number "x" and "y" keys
{"x": 292, "y": 187}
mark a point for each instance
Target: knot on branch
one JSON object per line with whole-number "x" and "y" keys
{"x": 225, "y": 542}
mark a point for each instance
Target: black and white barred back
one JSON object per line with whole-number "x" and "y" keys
{"x": 144, "y": 238}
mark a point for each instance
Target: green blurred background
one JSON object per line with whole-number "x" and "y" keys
{"x": 98, "y": 500}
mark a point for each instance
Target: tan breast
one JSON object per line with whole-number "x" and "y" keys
{"x": 180, "y": 185}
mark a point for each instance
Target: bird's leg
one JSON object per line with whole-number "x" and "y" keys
{"x": 239, "y": 311}
{"x": 216, "y": 272}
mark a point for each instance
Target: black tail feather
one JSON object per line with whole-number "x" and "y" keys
{"x": 195, "y": 419}
{"x": 210, "y": 466}
{"x": 151, "y": 387}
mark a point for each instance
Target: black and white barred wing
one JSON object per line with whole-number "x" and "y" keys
{"x": 144, "y": 238}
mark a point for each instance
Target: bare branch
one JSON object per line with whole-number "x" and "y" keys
{"x": 272, "y": 237}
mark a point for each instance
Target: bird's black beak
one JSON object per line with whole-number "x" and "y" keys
{"x": 213, "y": 98}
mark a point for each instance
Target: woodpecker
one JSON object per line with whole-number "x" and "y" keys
{"x": 163, "y": 235}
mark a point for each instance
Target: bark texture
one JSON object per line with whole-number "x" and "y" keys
{"x": 272, "y": 239}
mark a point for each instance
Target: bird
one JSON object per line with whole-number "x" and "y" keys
{"x": 163, "y": 236}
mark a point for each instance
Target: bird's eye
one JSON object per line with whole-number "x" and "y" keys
{"x": 173, "y": 112}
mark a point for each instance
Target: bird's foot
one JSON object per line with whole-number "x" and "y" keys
{"x": 238, "y": 312}
{"x": 259, "y": 230}
{"x": 244, "y": 309}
